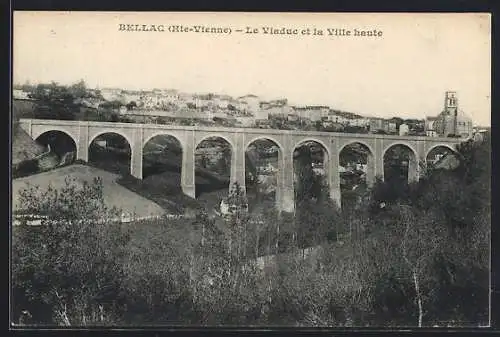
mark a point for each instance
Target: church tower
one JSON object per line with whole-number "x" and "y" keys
{"x": 450, "y": 103}
{"x": 451, "y": 121}
{"x": 451, "y": 108}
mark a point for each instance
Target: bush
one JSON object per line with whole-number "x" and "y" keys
{"x": 77, "y": 270}
{"x": 71, "y": 263}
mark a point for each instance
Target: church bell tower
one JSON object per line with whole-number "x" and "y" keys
{"x": 450, "y": 103}
{"x": 451, "y": 107}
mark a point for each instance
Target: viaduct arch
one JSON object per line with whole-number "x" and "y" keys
{"x": 448, "y": 146}
{"x": 370, "y": 162}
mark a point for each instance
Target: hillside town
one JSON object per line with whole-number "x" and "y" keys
{"x": 77, "y": 102}
{"x": 170, "y": 106}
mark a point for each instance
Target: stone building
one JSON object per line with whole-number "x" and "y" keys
{"x": 430, "y": 130}
{"x": 452, "y": 121}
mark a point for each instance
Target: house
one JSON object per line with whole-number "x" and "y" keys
{"x": 20, "y": 94}
{"x": 203, "y": 100}
{"x": 261, "y": 114}
{"x": 264, "y": 105}
{"x": 404, "y": 130}
{"x": 391, "y": 127}
{"x": 276, "y": 112}
{"x": 315, "y": 114}
{"x": 122, "y": 110}
{"x": 312, "y": 113}
{"x": 171, "y": 95}
{"x": 429, "y": 127}
{"x": 324, "y": 112}
{"x": 334, "y": 117}
{"x": 156, "y": 99}
{"x": 224, "y": 208}
{"x": 249, "y": 103}
{"x": 222, "y": 101}
{"x": 359, "y": 122}
{"x": 318, "y": 169}
{"x": 185, "y": 97}
{"x": 479, "y": 136}
{"x": 266, "y": 169}
{"x": 240, "y": 105}
{"x": 112, "y": 94}
{"x": 233, "y": 204}
{"x": 376, "y": 124}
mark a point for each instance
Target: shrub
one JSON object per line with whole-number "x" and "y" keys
{"x": 71, "y": 263}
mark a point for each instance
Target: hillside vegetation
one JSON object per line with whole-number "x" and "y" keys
{"x": 23, "y": 109}
{"x": 414, "y": 256}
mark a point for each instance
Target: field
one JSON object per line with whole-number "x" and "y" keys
{"x": 114, "y": 194}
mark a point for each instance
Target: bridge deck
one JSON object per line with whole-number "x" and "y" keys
{"x": 235, "y": 130}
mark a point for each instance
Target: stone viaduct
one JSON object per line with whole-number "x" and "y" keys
{"x": 137, "y": 135}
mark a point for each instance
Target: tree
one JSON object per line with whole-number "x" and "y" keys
{"x": 71, "y": 263}
{"x": 224, "y": 281}
{"x": 427, "y": 248}
{"x": 27, "y": 87}
{"x": 397, "y": 120}
{"x": 156, "y": 277}
{"x": 131, "y": 106}
{"x": 78, "y": 89}
{"x": 423, "y": 239}
{"x": 237, "y": 222}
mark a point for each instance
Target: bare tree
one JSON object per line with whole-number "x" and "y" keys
{"x": 423, "y": 237}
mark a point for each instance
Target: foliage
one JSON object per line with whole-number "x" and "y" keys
{"x": 432, "y": 236}
{"x": 417, "y": 255}
{"x": 317, "y": 218}
{"x": 71, "y": 263}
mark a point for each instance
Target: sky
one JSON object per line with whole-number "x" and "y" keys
{"x": 404, "y": 72}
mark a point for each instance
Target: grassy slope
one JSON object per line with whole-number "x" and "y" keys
{"x": 23, "y": 146}
{"x": 161, "y": 184}
{"x": 114, "y": 194}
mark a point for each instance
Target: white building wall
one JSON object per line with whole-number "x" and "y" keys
{"x": 403, "y": 130}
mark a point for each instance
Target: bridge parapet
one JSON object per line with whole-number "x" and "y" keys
{"x": 236, "y": 130}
